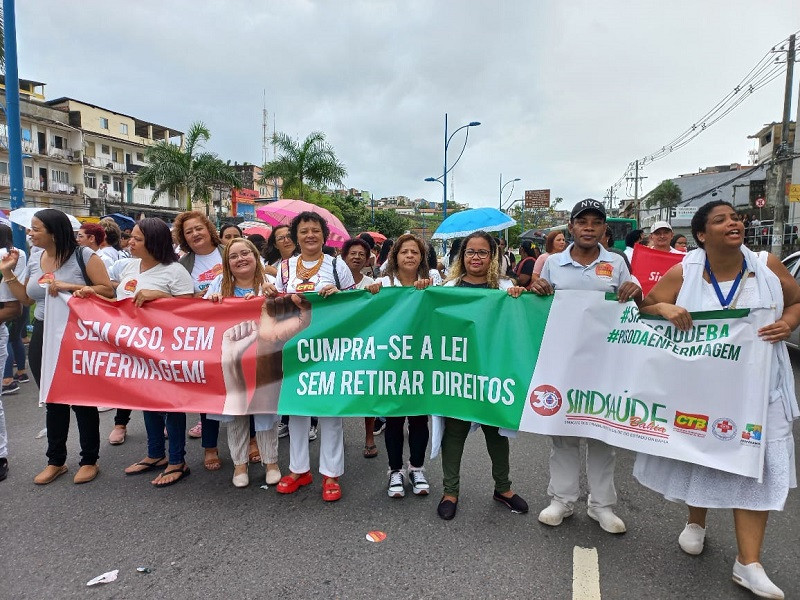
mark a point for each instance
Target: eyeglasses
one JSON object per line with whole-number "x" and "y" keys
{"x": 242, "y": 254}
{"x": 479, "y": 253}
{"x": 282, "y": 238}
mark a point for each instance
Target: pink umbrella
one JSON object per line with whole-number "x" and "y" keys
{"x": 260, "y": 229}
{"x": 283, "y": 211}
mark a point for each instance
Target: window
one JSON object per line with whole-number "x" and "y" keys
{"x": 90, "y": 149}
{"x": 106, "y": 179}
{"x": 118, "y": 185}
{"x": 116, "y": 155}
{"x": 123, "y": 128}
{"x": 91, "y": 180}
{"x": 58, "y": 142}
{"x": 28, "y": 171}
{"x": 103, "y": 123}
{"x": 26, "y": 135}
{"x": 140, "y": 157}
{"x": 3, "y": 168}
{"x": 59, "y": 176}
{"x": 105, "y": 149}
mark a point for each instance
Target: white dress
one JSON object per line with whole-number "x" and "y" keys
{"x": 705, "y": 487}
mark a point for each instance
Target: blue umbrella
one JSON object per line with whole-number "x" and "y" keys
{"x": 124, "y": 221}
{"x": 463, "y": 223}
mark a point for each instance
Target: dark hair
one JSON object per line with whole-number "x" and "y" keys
{"x": 57, "y": 224}
{"x": 700, "y": 218}
{"x": 422, "y": 269}
{"x": 458, "y": 268}
{"x": 433, "y": 260}
{"x": 181, "y": 219}
{"x": 225, "y": 226}
{"x": 383, "y": 255}
{"x": 309, "y": 216}
{"x": 675, "y": 239}
{"x": 633, "y": 237}
{"x": 454, "y": 248}
{"x": 609, "y": 235}
{"x": 368, "y": 238}
{"x": 259, "y": 241}
{"x": 112, "y": 230}
{"x": 329, "y": 250}
{"x": 157, "y": 240}
{"x": 271, "y": 252}
{"x": 94, "y": 230}
{"x": 528, "y": 248}
{"x": 359, "y": 241}
{"x": 6, "y": 237}
{"x": 551, "y": 238}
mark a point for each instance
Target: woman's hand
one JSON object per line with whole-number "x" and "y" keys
{"x": 328, "y": 290}
{"x": 58, "y": 286}
{"x": 374, "y": 288}
{"x": 516, "y": 291}
{"x": 249, "y": 295}
{"x": 9, "y": 263}
{"x": 214, "y": 297}
{"x": 143, "y": 296}
{"x": 776, "y": 332}
{"x": 677, "y": 315}
{"x": 270, "y": 290}
{"x": 421, "y": 284}
{"x": 84, "y": 292}
{"x": 236, "y": 340}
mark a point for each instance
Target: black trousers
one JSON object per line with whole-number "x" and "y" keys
{"x": 58, "y": 414}
{"x": 417, "y": 440}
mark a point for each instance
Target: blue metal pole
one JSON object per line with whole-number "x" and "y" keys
{"x": 15, "y": 173}
{"x": 444, "y": 181}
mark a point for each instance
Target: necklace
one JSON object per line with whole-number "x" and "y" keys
{"x": 725, "y": 301}
{"x": 306, "y": 273}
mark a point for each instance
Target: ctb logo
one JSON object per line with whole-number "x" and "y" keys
{"x": 545, "y": 400}
{"x": 690, "y": 421}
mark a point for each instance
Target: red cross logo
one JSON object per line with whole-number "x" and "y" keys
{"x": 724, "y": 427}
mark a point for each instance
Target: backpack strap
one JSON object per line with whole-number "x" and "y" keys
{"x": 285, "y": 272}
{"x": 336, "y": 274}
{"x": 82, "y": 264}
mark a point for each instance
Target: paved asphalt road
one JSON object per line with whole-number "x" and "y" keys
{"x": 204, "y": 538}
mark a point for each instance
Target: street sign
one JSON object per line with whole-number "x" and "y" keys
{"x": 537, "y": 198}
{"x": 794, "y": 193}
{"x": 760, "y": 202}
{"x": 682, "y": 212}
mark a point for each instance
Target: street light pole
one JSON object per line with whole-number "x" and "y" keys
{"x": 502, "y": 187}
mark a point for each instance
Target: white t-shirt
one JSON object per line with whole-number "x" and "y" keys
{"x": 436, "y": 277}
{"x": 110, "y": 252}
{"x": 365, "y": 281}
{"x": 319, "y": 280}
{"x": 115, "y": 272}
{"x": 206, "y": 268}
{"x": 172, "y": 279}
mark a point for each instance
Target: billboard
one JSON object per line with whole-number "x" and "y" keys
{"x": 537, "y": 198}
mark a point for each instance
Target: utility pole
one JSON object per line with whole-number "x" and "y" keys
{"x": 636, "y": 196}
{"x": 781, "y": 156}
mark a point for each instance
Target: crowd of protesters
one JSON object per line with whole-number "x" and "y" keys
{"x": 194, "y": 259}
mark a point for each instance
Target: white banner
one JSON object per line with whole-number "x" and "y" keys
{"x": 698, "y": 396}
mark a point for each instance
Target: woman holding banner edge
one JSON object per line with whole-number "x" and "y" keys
{"x": 477, "y": 266}
{"x": 723, "y": 273}
{"x": 61, "y": 266}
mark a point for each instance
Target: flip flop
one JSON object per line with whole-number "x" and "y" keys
{"x": 182, "y": 472}
{"x": 370, "y": 451}
{"x": 212, "y": 463}
{"x": 255, "y": 454}
{"x": 148, "y": 466}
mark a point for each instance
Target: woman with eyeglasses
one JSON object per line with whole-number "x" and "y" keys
{"x": 243, "y": 277}
{"x": 679, "y": 243}
{"x": 477, "y": 266}
{"x": 407, "y": 266}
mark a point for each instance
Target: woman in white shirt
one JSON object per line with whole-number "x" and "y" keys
{"x": 313, "y": 271}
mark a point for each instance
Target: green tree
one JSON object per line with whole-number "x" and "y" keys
{"x": 666, "y": 195}
{"x": 311, "y": 162}
{"x": 186, "y": 172}
{"x": 391, "y": 224}
{"x": 355, "y": 214}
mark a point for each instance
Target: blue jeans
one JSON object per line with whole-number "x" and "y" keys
{"x": 176, "y": 429}
{"x": 16, "y": 349}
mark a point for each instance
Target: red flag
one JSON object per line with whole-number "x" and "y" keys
{"x": 650, "y": 265}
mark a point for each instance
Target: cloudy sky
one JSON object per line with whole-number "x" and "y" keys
{"x": 568, "y": 92}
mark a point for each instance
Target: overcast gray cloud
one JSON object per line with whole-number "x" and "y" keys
{"x": 568, "y": 93}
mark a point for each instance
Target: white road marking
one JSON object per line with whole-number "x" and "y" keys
{"x": 585, "y": 574}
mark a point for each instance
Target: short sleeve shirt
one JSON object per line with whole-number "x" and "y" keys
{"x": 206, "y": 268}
{"x": 605, "y": 274}
{"x": 172, "y": 279}
{"x": 322, "y": 278}
{"x": 38, "y": 281}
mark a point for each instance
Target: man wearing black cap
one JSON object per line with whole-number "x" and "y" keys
{"x": 584, "y": 265}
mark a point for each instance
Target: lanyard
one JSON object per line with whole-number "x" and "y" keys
{"x": 725, "y": 301}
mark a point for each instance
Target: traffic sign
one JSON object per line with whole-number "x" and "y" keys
{"x": 760, "y": 202}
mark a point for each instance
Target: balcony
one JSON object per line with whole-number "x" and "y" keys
{"x": 101, "y": 162}
{"x": 28, "y": 183}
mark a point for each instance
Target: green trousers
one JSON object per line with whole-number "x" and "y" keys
{"x": 455, "y": 434}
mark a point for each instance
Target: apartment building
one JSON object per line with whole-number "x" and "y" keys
{"x": 82, "y": 158}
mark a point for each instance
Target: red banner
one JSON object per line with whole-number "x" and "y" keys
{"x": 649, "y": 265}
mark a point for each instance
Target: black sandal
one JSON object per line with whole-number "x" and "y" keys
{"x": 182, "y": 472}
{"x": 148, "y": 466}
{"x": 370, "y": 451}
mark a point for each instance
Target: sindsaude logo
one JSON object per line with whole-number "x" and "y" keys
{"x": 690, "y": 421}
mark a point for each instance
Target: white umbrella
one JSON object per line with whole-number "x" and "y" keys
{"x": 23, "y": 216}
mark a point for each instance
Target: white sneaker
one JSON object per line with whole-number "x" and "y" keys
{"x": 241, "y": 480}
{"x": 692, "y": 539}
{"x": 754, "y": 578}
{"x": 283, "y": 430}
{"x": 416, "y": 477}
{"x": 312, "y": 433}
{"x": 397, "y": 484}
{"x": 608, "y": 520}
{"x": 554, "y": 514}
{"x": 104, "y": 408}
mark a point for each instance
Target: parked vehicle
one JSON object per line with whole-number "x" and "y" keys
{"x": 763, "y": 233}
{"x": 792, "y": 263}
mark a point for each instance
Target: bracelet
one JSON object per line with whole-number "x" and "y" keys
{"x": 10, "y": 279}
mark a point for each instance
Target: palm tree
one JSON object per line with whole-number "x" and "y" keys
{"x": 311, "y": 162}
{"x": 185, "y": 172}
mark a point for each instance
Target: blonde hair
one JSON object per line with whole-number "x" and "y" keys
{"x": 458, "y": 270}
{"x": 228, "y": 281}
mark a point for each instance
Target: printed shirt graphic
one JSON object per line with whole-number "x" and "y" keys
{"x": 605, "y": 274}
{"x": 319, "y": 280}
{"x": 171, "y": 279}
{"x": 206, "y": 269}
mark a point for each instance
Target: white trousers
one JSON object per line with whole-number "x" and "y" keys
{"x": 565, "y": 470}
{"x": 239, "y": 441}
{"x": 3, "y": 357}
{"x": 331, "y": 445}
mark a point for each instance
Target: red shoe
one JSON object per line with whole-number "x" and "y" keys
{"x": 289, "y": 485}
{"x": 331, "y": 491}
